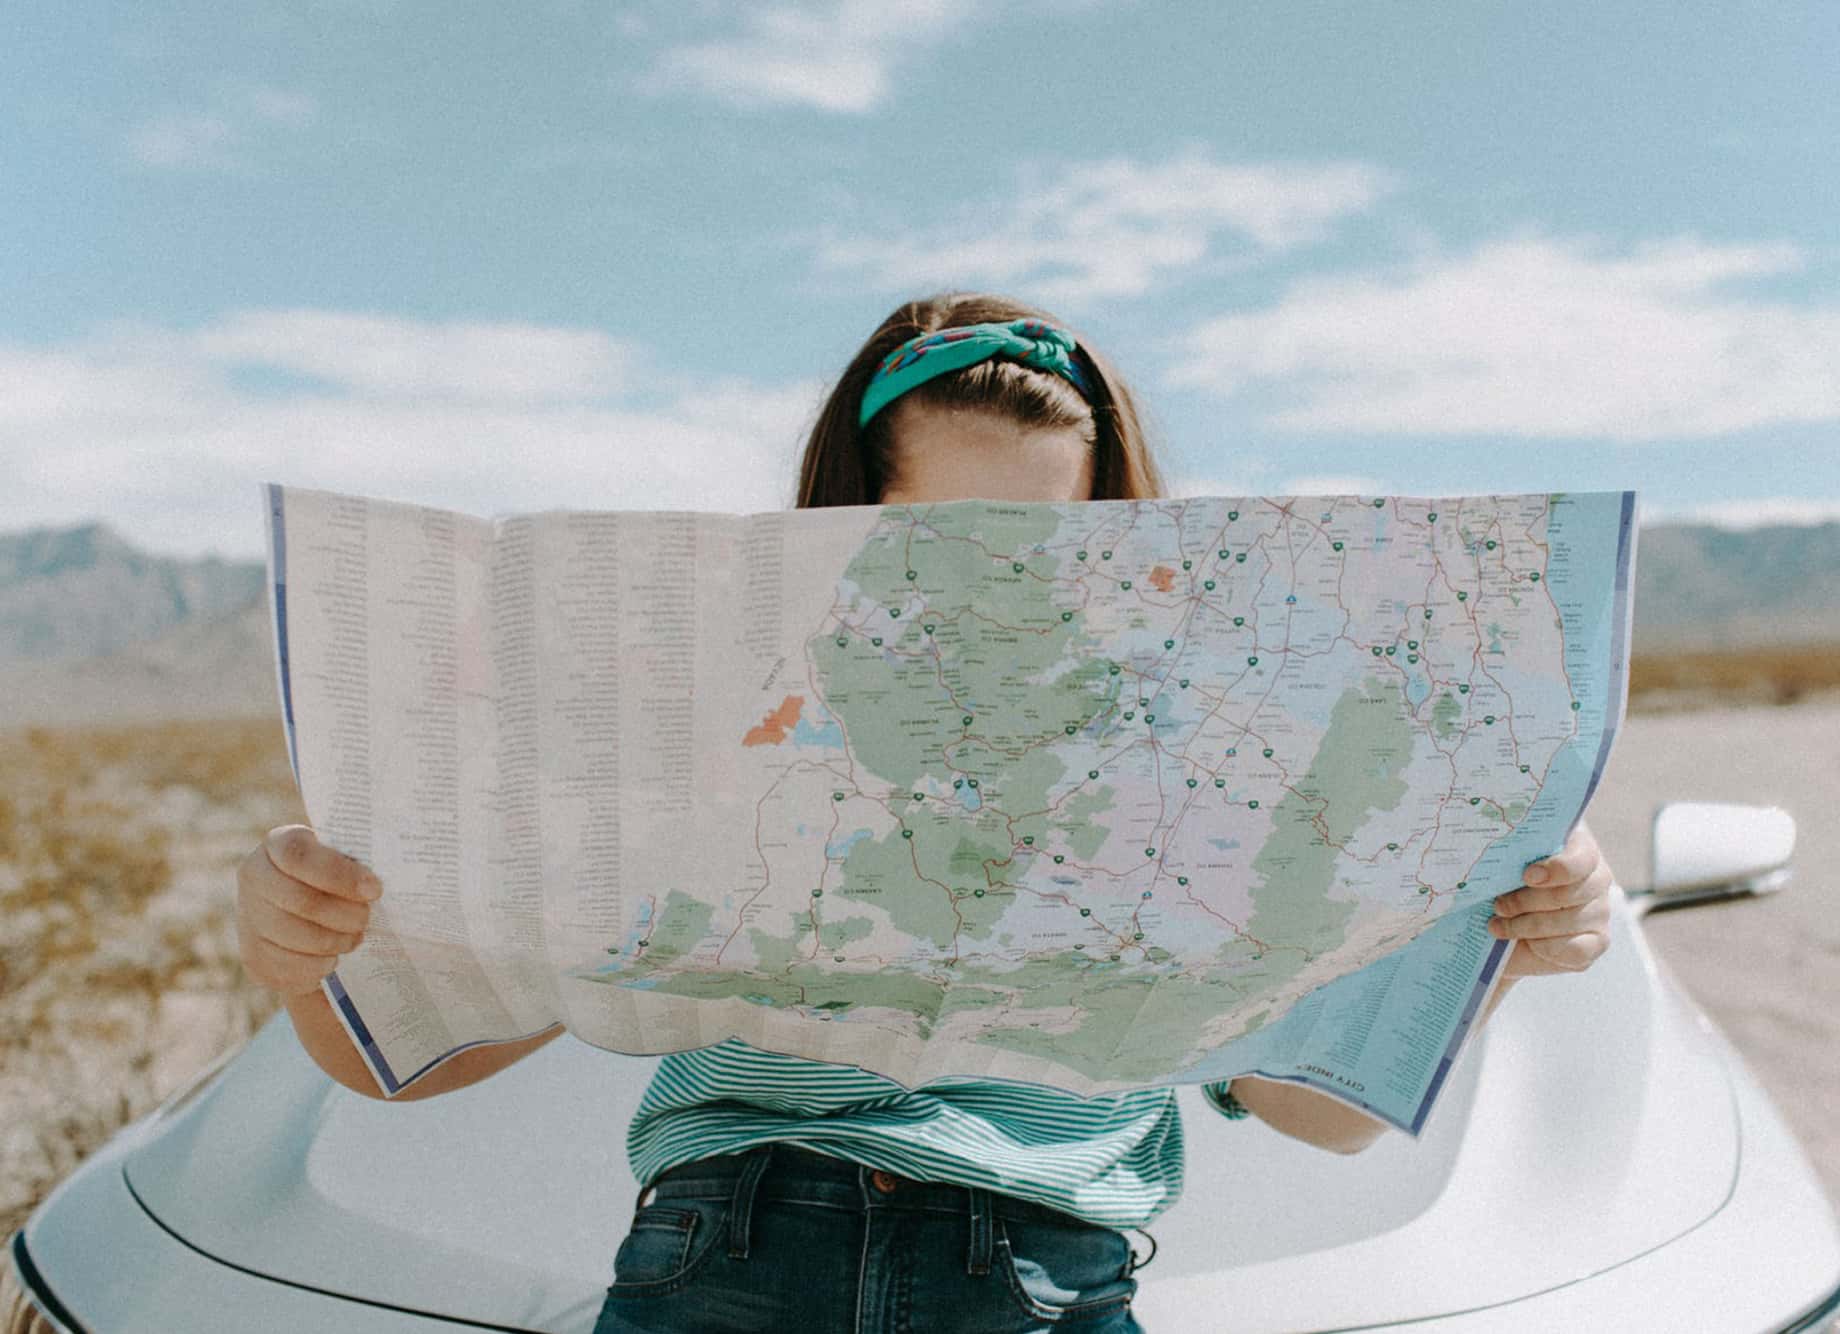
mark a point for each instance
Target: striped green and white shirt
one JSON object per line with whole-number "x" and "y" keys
{"x": 1115, "y": 1159}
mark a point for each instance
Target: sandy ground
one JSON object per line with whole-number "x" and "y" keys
{"x": 119, "y": 977}
{"x": 1767, "y": 970}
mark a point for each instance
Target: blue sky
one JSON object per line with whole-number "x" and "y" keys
{"x": 501, "y": 258}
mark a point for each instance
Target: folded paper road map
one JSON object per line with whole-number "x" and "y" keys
{"x": 1095, "y": 795}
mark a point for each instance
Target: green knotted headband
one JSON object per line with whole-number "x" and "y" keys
{"x": 1031, "y": 342}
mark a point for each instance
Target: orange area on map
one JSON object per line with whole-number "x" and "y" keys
{"x": 1162, "y": 579}
{"x": 775, "y": 725}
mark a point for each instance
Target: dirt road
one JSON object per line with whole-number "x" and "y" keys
{"x": 1766, "y": 970}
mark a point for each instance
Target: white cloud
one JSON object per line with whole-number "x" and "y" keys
{"x": 1333, "y": 484}
{"x": 219, "y": 137}
{"x": 1262, "y": 483}
{"x": 1763, "y": 512}
{"x": 162, "y": 433}
{"x": 1113, "y": 228}
{"x": 1190, "y": 484}
{"x": 182, "y": 141}
{"x": 837, "y": 56}
{"x": 396, "y": 357}
{"x": 1531, "y": 336}
{"x": 280, "y": 105}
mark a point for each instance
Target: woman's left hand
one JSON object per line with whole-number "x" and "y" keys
{"x": 1561, "y": 915}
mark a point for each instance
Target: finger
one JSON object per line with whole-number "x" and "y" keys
{"x": 290, "y": 971}
{"x": 1522, "y": 962}
{"x": 1568, "y": 954}
{"x": 316, "y": 905}
{"x": 1592, "y": 916}
{"x": 276, "y": 925}
{"x": 296, "y": 850}
{"x": 1572, "y": 862}
{"x": 1545, "y": 898}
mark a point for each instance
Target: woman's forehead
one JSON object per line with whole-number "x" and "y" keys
{"x": 941, "y": 454}
{"x": 970, "y": 428}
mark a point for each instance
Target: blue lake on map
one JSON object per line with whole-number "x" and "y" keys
{"x": 1418, "y": 690}
{"x": 824, "y": 734}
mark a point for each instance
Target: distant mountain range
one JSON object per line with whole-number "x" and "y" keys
{"x": 83, "y": 591}
{"x": 1703, "y": 589}
{"x": 93, "y": 629}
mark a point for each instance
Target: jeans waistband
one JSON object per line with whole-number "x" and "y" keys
{"x": 790, "y": 1172}
{"x": 793, "y": 1172}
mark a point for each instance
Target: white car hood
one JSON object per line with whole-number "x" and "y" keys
{"x": 1593, "y": 1122}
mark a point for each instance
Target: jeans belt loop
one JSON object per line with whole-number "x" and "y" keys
{"x": 978, "y": 1259}
{"x": 1134, "y": 1264}
{"x": 741, "y": 1209}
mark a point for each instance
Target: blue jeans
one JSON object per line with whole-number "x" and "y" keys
{"x": 781, "y": 1238}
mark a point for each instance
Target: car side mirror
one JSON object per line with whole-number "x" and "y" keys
{"x": 1704, "y": 851}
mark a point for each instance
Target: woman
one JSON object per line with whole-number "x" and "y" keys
{"x": 789, "y": 1194}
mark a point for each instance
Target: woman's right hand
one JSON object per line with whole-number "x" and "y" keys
{"x": 299, "y": 905}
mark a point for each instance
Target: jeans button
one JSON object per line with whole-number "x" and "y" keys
{"x": 884, "y": 1181}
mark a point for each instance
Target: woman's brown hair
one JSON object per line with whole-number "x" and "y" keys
{"x": 847, "y": 465}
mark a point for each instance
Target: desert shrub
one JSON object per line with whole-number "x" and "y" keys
{"x": 117, "y": 900}
{"x": 1770, "y": 675}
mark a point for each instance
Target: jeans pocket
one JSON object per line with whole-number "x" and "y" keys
{"x": 1067, "y": 1270}
{"x": 667, "y": 1244}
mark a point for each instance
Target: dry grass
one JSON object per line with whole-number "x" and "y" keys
{"x": 118, "y": 965}
{"x": 1663, "y": 682}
